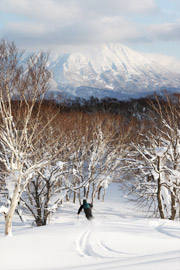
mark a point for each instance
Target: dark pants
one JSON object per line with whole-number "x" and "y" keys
{"x": 88, "y": 213}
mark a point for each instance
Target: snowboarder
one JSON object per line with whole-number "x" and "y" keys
{"x": 87, "y": 209}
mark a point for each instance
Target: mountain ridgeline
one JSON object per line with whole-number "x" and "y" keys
{"x": 109, "y": 71}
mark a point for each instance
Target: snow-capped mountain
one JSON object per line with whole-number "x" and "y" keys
{"x": 111, "y": 70}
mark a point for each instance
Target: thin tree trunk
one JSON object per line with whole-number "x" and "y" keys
{"x": 46, "y": 211}
{"x": 159, "y": 197}
{"x": 39, "y": 219}
{"x": 104, "y": 195}
{"x": 74, "y": 197}
{"x": 84, "y": 191}
{"x": 79, "y": 196}
{"x": 10, "y": 214}
{"x": 93, "y": 193}
{"x": 88, "y": 190}
{"x": 99, "y": 192}
{"x": 173, "y": 205}
{"x": 67, "y": 198}
{"x": 160, "y": 207}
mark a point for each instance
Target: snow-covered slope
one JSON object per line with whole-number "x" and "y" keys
{"x": 110, "y": 70}
{"x": 118, "y": 238}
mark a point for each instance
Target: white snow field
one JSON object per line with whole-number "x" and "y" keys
{"x": 119, "y": 237}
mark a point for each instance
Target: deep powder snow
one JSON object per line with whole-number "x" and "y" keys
{"x": 119, "y": 237}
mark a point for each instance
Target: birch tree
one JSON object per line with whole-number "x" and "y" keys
{"x": 157, "y": 160}
{"x": 103, "y": 149}
{"x": 21, "y": 125}
{"x": 45, "y": 192}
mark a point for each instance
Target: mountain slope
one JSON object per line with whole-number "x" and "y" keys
{"x": 110, "y": 70}
{"x": 118, "y": 238}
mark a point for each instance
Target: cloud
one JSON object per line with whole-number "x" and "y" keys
{"x": 116, "y": 29}
{"x": 53, "y": 23}
{"x": 68, "y": 24}
{"x": 53, "y": 9}
{"x": 72, "y": 21}
{"x": 117, "y": 7}
{"x": 26, "y": 29}
{"x": 165, "y": 31}
{"x": 169, "y": 62}
{"x": 104, "y": 29}
{"x": 41, "y": 10}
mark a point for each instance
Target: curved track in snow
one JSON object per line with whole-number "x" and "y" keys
{"x": 83, "y": 244}
{"x": 113, "y": 245}
{"x": 95, "y": 240}
{"x": 118, "y": 238}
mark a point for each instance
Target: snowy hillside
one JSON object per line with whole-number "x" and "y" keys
{"x": 119, "y": 237}
{"x": 110, "y": 70}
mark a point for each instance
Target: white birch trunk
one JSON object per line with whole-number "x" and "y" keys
{"x": 10, "y": 214}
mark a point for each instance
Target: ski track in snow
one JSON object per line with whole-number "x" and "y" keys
{"x": 138, "y": 262}
{"x": 87, "y": 248}
{"x": 105, "y": 247}
{"x": 117, "y": 238}
{"x": 96, "y": 248}
{"x": 83, "y": 244}
{"x": 169, "y": 231}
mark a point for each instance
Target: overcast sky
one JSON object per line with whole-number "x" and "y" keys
{"x": 150, "y": 26}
